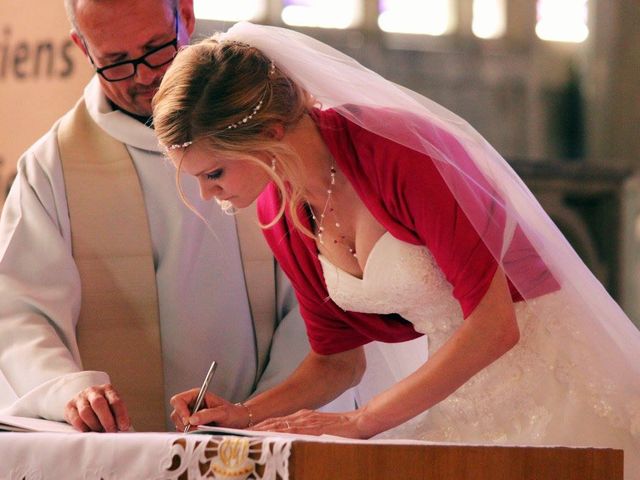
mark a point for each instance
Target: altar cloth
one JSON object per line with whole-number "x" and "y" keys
{"x": 123, "y": 456}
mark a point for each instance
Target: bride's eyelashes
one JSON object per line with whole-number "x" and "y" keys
{"x": 215, "y": 175}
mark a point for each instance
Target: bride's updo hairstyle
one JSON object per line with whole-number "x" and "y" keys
{"x": 225, "y": 95}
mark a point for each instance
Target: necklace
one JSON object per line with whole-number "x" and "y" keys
{"x": 325, "y": 210}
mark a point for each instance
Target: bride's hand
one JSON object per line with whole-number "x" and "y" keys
{"x": 216, "y": 410}
{"x": 311, "y": 422}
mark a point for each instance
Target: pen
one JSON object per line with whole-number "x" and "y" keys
{"x": 203, "y": 390}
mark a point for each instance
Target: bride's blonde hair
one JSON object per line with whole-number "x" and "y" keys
{"x": 226, "y": 95}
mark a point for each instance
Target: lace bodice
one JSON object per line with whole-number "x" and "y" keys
{"x": 398, "y": 278}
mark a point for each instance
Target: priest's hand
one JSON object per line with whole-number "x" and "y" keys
{"x": 98, "y": 409}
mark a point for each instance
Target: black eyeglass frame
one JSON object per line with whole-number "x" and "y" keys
{"x": 137, "y": 61}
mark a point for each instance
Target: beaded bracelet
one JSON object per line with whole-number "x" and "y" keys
{"x": 249, "y": 412}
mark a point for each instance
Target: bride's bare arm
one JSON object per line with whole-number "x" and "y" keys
{"x": 489, "y": 332}
{"x": 317, "y": 380}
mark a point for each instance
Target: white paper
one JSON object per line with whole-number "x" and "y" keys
{"x": 25, "y": 424}
{"x": 308, "y": 438}
{"x": 251, "y": 433}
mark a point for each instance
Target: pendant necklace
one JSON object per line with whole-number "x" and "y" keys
{"x": 325, "y": 210}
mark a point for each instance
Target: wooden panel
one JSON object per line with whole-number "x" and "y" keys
{"x": 321, "y": 461}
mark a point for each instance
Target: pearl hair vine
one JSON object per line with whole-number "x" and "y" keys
{"x": 244, "y": 120}
{"x": 176, "y": 146}
{"x": 256, "y": 109}
{"x": 247, "y": 118}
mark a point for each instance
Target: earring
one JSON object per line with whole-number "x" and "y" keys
{"x": 227, "y": 207}
{"x": 273, "y": 163}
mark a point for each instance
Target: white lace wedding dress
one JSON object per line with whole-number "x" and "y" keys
{"x": 548, "y": 390}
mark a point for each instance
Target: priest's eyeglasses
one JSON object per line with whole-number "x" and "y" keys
{"x": 155, "y": 58}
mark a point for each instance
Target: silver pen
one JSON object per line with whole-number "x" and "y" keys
{"x": 201, "y": 393}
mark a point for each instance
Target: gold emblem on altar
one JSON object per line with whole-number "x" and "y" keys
{"x": 232, "y": 461}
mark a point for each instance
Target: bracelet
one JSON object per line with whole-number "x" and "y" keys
{"x": 249, "y": 412}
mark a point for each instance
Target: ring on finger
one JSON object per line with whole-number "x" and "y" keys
{"x": 287, "y": 424}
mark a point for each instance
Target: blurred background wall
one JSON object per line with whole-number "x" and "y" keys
{"x": 552, "y": 84}
{"x": 41, "y": 75}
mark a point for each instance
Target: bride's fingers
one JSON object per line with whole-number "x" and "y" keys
{"x": 182, "y": 402}
{"x": 279, "y": 424}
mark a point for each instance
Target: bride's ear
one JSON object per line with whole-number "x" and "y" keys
{"x": 275, "y": 131}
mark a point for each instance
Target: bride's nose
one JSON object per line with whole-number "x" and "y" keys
{"x": 208, "y": 189}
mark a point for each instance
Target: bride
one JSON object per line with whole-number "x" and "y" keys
{"x": 393, "y": 218}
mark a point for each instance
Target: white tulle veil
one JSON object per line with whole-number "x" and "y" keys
{"x": 339, "y": 82}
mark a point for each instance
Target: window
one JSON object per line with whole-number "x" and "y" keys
{"x": 489, "y": 18}
{"x": 431, "y": 17}
{"x": 322, "y": 13}
{"x": 562, "y": 20}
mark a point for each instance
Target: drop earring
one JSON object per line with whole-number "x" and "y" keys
{"x": 227, "y": 207}
{"x": 273, "y": 163}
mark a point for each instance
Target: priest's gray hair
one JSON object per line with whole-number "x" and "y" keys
{"x": 70, "y": 7}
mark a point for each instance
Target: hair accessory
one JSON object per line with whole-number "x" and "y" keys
{"x": 176, "y": 146}
{"x": 272, "y": 70}
{"x": 247, "y": 118}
